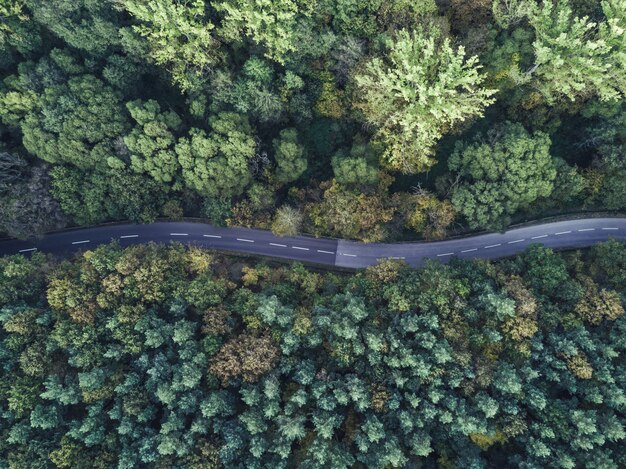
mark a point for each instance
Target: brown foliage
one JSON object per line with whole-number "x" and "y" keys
{"x": 246, "y": 356}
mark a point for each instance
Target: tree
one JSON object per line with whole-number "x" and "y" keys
{"x": 349, "y": 214}
{"x": 217, "y": 165}
{"x": 179, "y": 38}
{"x": 287, "y": 221}
{"x": 430, "y": 216}
{"x": 358, "y": 167}
{"x": 75, "y": 123}
{"x": 576, "y": 58}
{"x": 246, "y": 357}
{"x": 90, "y": 25}
{"x": 151, "y": 142}
{"x": 272, "y": 24}
{"x": 290, "y": 156}
{"x": 418, "y": 90}
{"x": 501, "y": 172}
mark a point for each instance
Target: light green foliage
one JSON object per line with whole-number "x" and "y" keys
{"x": 179, "y": 38}
{"x": 217, "y": 164}
{"x": 287, "y": 221}
{"x": 508, "y": 13}
{"x": 151, "y": 142}
{"x": 290, "y": 156}
{"x": 500, "y": 173}
{"x": 358, "y": 167}
{"x": 576, "y": 58}
{"x": 274, "y": 24}
{"x": 422, "y": 87}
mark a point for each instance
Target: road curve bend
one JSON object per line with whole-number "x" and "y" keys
{"x": 567, "y": 234}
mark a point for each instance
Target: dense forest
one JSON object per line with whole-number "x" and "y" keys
{"x": 169, "y": 357}
{"x": 363, "y": 119}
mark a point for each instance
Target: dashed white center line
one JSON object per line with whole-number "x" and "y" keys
{"x": 610, "y": 229}
{"x": 244, "y": 240}
{"x": 562, "y": 232}
{"x": 211, "y": 236}
{"x": 587, "y": 229}
{"x": 28, "y": 250}
{"x": 298, "y": 247}
{"x": 81, "y": 242}
{"x": 541, "y": 236}
{"x": 445, "y": 254}
{"x": 398, "y": 257}
{"x": 129, "y": 236}
{"x": 493, "y": 246}
{"x": 325, "y": 252}
{"x": 349, "y": 255}
{"x": 516, "y": 241}
{"x": 279, "y": 245}
{"x": 470, "y": 250}
{"x": 179, "y": 234}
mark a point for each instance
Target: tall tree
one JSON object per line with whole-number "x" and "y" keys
{"x": 273, "y": 24}
{"x": 420, "y": 88}
{"x": 576, "y": 58}
{"x": 290, "y": 156}
{"x": 218, "y": 164}
{"x": 179, "y": 37}
{"x": 501, "y": 172}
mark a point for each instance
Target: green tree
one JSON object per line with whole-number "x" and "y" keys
{"x": 418, "y": 90}
{"x": 75, "y": 123}
{"x": 358, "y": 167}
{"x": 290, "y": 156}
{"x": 501, "y": 172}
{"x": 179, "y": 38}
{"x": 151, "y": 142}
{"x": 90, "y": 25}
{"x": 217, "y": 165}
{"x": 576, "y": 58}
{"x": 273, "y": 24}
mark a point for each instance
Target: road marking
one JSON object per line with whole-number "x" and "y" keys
{"x": 28, "y": 250}
{"x": 562, "y": 232}
{"x": 244, "y": 240}
{"x": 445, "y": 254}
{"x": 470, "y": 250}
{"x": 325, "y": 252}
{"x": 610, "y": 229}
{"x": 349, "y": 255}
{"x": 81, "y": 242}
{"x": 279, "y": 245}
{"x": 129, "y": 236}
{"x": 301, "y": 249}
{"x": 398, "y": 257}
{"x": 493, "y": 246}
{"x": 588, "y": 229}
{"x": 537, "y": 237}
{"x": 516, "y": 241}
{"x": 179, "y": 234}
{"x": 211, "y": 236}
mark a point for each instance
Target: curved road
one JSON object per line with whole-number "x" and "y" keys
{"x": 339, "y": 253}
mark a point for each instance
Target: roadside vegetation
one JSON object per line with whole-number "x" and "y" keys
{"x": 372, "y": 120}
{"x": 173, "y": 357}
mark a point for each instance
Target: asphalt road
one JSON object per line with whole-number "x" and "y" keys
{"x": 340, "y": 253}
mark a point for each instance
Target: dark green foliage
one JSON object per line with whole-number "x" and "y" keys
{"x": 151, "y": 356}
